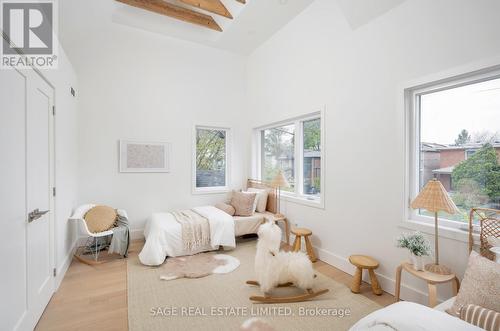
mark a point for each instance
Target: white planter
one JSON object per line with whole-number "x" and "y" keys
{"x": 417, "y": 261}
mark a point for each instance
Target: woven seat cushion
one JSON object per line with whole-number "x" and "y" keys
{"x": 100, "y": 218}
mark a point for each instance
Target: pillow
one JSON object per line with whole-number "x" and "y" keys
{"x": 255, "y": 201}
{"x": 243, "y": 203}
{"x": 100, "y": 218}
{"x": 480, "y": 286}
{"x": 482, "y": 317}
{"x": 225, "y": 208}
{"x": 261, "y": 198}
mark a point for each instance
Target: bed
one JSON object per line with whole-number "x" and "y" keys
{"x": 164, "y": 235}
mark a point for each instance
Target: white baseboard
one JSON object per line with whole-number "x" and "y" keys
{"x": 61, "y": 269}
{"x": 387, "y": 283}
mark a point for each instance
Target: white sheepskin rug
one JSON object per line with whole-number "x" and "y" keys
{"x": 256, "y": 324}
{"x": 199, "y": 265}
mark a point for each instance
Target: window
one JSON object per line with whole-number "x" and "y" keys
{"x": 311, "y": 132}
{"x": 211, "y": 160}
{"x": 278, "y": 154}
{"x": 293, "y": 148}
{"x": 455, "y": 138}
{"x": 469, "y": 153}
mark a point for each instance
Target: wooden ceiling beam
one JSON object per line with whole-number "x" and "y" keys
{"x": 213, "y": 6}
{"x": 171, "y": 10}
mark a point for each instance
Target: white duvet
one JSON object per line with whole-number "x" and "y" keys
{"x": 164, "y": 235}
{"x": 409, "y": 316}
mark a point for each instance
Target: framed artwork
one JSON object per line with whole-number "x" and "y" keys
{"x": 144, "y": 156}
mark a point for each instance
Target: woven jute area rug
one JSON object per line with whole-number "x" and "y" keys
{"x": 220, "y": 301}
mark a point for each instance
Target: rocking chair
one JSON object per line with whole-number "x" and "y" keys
{"x": 95, "y": 242}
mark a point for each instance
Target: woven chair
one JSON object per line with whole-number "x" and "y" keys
{"x": 488, "y": 221}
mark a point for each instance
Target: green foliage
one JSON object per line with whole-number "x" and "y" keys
{"x": 278, "y": 140}
{"x": 312, "y": 135}
{"x": 415, "y": 243}
{"x": 210, "y": 149}
{"x": 493, "y": 184}
{"x": 483, "y": 169}
{"x": 468, "y": 194}
{"x": 269, "y": 172}
{"x": 278, "y": 149}
{"x": 463, "y": 138}
{"x": 317, "y": 184}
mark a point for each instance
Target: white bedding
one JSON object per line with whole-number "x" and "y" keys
{"x": 409, "y": 316}
{"x": 164, "y": 235}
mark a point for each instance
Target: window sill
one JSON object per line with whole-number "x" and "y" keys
{"x": 315, "y": 203}
{"x": 457, "y": 234}
{"x": 210, "y": 190}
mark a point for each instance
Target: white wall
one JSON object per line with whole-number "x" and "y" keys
{"x": 66, "y": 154}
{"x": 317, "y": 60}
{"x": 141, "y": 86}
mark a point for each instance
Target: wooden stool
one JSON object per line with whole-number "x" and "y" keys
{"x": 299, "y": 233}
{"x": 431, "y": 278}
{"x": 364, "y": 262}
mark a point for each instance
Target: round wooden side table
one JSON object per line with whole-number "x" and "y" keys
{"x": 431, "y": 278}
{"x": 299, "y": 233}
{"x": 364, "y": 262}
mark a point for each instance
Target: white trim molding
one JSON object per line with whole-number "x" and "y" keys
{"x": 297, "y": 196}
{"x": 409, "y": 96}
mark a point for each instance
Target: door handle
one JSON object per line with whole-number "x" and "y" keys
{"x": 36, "y": 214}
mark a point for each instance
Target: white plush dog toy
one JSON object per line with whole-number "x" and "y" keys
{"x": 274, "y": 267}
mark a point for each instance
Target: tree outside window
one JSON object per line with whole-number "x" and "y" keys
{"x": 210, "y": 158}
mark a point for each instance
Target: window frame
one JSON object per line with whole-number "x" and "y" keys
{"x": 296, "y": 196}
{"x": 412, "y": 127}
{"x": 211, "y": 189}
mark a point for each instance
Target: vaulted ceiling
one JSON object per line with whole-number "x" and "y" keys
{"x": 238, "y": 26}
{"x": 252, "y": 22}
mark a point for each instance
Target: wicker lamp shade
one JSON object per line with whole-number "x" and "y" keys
{"x": 434, "y": 198}
{"x": 280, "y": 180}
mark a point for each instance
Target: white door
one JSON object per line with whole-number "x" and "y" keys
{"x": 26, "y": 165}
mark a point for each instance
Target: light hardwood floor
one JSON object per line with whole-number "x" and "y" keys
{"x": 95, "y": 297}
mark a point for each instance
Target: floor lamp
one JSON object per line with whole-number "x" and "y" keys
{"x": 278, "y": 182}
{"x": 434, "y": 198}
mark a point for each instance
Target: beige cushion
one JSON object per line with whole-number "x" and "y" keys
{"x": 100, "y": 218}
{"x": 254, "y": 201}
{"x": 243, "y": 203}
{"x": 225, "y": 208}
{"x": 480, "y": 286}
{"x": 482, "y": 317}
{"x": 261, "y": 198}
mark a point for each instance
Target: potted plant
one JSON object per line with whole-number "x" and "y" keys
{"x": 418, "y": 247}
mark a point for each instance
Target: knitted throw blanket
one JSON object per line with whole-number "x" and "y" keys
{"x": 195, "y": 229}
